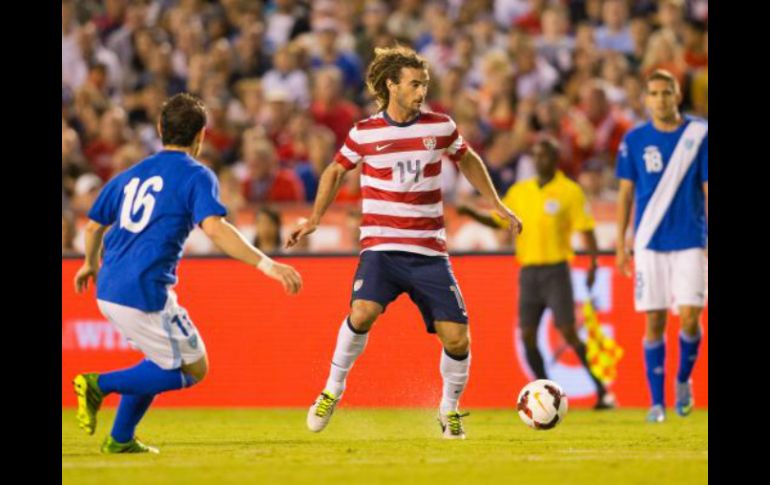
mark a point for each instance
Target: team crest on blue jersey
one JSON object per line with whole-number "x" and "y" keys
{"x": 429, "y": 142}
{"x": 688, "y": 143}
{"x": 358, "y": 284}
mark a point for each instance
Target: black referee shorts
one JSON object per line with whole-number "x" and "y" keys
{"x": 546, "y": 286}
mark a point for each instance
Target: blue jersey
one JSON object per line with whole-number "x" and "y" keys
{"x": 152, "y": 207}
{"x": 642, "y": 158}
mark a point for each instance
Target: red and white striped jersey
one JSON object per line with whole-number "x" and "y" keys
{"x": 401, "y": 180}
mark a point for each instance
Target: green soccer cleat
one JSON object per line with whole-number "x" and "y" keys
{"x": 90, "y": 399}
{"x": 321, "y": 411}
{"x": 684, "y": 398}
{"x": 110, "y": 446}
{"x": 452, "y": 425}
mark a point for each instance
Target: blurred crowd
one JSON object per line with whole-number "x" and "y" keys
{"x": 284, "y": 80}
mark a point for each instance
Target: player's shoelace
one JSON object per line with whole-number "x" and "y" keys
{"x": 455, "y": 423}
{"x": 324, "y": 406}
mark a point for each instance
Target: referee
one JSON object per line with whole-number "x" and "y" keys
{"x": 551, "y": 207}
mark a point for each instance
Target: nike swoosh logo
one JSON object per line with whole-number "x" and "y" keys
{"x": 381, "y": 148}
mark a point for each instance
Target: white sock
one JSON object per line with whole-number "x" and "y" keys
{"x": 455, "y": 375}
{"x": 349, "y": 347}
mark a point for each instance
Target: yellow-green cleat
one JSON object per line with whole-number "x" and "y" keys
{"x": 452, "y": 425}
{"x": 90, "y": 399}
{"x": 321, "y": 411}
{"x": 110, "y": 446}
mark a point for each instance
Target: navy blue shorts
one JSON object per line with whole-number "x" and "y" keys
{"x": 383, "y": 275}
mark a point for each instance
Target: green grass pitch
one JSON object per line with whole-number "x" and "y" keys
{"x": 395, "y": 447}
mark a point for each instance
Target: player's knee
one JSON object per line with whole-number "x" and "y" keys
{"x": 363, "y": 315}
{"x": 656, "y": 325}
{"x": 197, "y": 370}
{"x": 690, "y": 323}
{"x": 457, "y": 344}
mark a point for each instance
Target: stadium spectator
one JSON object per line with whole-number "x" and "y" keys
{"x": 597, "y": 130}
{"x": 554, "y": 44}
{"x": 373, "y": 27}
{"x": 87, "y": 188}
{"x": 510, "y": 70}
{"x": 72, "y": 69}
{"x": 329, "y": 108}
{"x": 406, "y": 22}
{"x": 219, "y": 133}
{"x": 530, "y": 21}
{"x": 439, "y": 50}
{"x": 663, "y": 52}
{"x": 286, "y": 21}
{"x": 695, "y": 46}
{"x": 73, "y": 163}
{"x": 329, "y": 54}
{"x": 113, "y": 131}
{"x": 93, "y": 52}
{"x": 534, "y": 75}
{"x": 265, "y": 181}
{"x": 230, "y": 193}
{"x": 286, "y": 76}
{"x": 248, "y": 107}
{"x": 268, "y": 237}
{"x": 250, "y": 56}
{"x": 320, "y": 150}
{"x": 614, "y": 34}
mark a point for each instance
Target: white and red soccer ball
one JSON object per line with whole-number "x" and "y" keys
{"x": 542, "y": 404}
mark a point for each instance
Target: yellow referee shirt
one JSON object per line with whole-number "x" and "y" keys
{"x": 550, "y": 214}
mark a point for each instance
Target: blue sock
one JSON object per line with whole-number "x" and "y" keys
{"x": 688, "y": 353}
{"x": 130, "y": 411}
{"x": 654, "y": 357}
{"x": 144, "y": 378}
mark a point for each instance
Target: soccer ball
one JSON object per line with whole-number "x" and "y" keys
{"x": 542, "y": 404}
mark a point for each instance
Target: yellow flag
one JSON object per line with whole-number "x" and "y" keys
{"x": 602, "y": 351}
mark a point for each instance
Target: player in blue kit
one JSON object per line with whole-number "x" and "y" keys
{"x": 144, "y": 215}
{"x": 663, "y": 164}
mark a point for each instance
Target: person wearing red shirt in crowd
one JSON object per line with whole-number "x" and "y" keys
{"x": 695, "y": 52}
{"x": 329, "y": 108}
{"x": 278, "y": 113}
{"x": 530, "y": 22}
{"x": 218, "y": 133}
{"x": 265, "y": 180}
{"x": 112, "y": 128}
{"x": 596, "y": 130}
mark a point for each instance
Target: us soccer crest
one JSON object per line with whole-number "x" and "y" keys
{"x": 358, "y": 284}
{"x": 429, "y": 142}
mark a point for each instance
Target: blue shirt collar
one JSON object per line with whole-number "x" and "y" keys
{"x": 391, "y": 122}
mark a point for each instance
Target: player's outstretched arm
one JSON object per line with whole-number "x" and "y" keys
{"x": 228, "y": 239}
{"x": 474, "y": 170}
{"x": 94, "y": 233}
{"x": 328, "y": 186}
{"x": 625, "y": 200}
{"x": 478, "y": 215}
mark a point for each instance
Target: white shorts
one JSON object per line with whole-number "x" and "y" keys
{"x": 167, "y": 338}
{"x": 669, "y": 279}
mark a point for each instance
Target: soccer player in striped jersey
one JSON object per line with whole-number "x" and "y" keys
{"x": 403, "y": 239}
